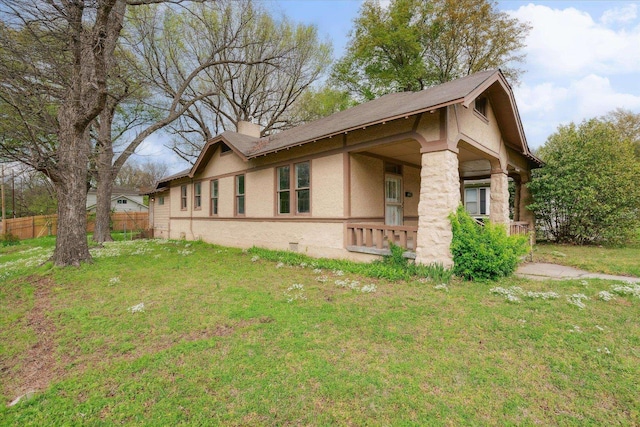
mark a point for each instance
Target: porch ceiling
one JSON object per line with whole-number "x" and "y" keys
{"x": 404, "y": 152}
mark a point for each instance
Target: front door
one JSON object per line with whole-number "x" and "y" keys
{"x": 393, "y": 200}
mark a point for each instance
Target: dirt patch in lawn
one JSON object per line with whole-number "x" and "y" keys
{"x": 34, "y": 370}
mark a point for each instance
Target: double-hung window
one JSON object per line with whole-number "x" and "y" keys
{"x": 284, "y": 189}
{"x": 240, "y": 191}
{"x": 293, "y": 188}
{"x": 183, "y": 197}
{"x": 214, "y": 197}
{"x": 303, "y": 188}
{"x": 197, "y": 195}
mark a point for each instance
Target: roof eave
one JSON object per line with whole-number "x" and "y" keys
{"x": 358, "y": 127}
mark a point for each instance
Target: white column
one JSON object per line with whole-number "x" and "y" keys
{"x": 439, "y": 196}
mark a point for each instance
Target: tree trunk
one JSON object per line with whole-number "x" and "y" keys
{"x": 71, "y": 187}
{"x": 106, "y": 175}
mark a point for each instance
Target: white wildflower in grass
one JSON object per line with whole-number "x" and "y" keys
{"x": 317, "y": 270}
{"x": 423, "y": 280}
{"x": 346, "y": 283}
{"x": 575, "y": 329}
{"x": 255, "y": 258}
{"x": 604, "y": 350}
{"x": 512, "y": 298}
{"x": 441, "y": 287}
{"x": 138, "y": 308}
{"x": 542, "y": 295}
{"x": 187, "y": 245}
{"x": 303, "y": 265}
{"x": 600, "y": 328}
{"x": 367, "y": 289}
{"x": 522, "y": 322}
{"x": 280, "y": 265}
{"x": 245, "y": 251}
{"x": 295, "y": 292}
{"x": 511, "y": 294}
{"x": 577, "y": 300}
{"x": 584, "y": 283}
{"x": 114, "y": 280}
{"x": 322, "y": 279}
{"x": 605, "y": 296}
{"x": 184, "y": 252}
{"x": 630, "y": 289}
{"x": 338, "y": 272}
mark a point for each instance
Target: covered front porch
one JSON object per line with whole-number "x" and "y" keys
{"x": 402, "y": 190}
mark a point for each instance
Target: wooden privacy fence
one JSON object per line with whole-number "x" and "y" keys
{"x": 47, "y": 225}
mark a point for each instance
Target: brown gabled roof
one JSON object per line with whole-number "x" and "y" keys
{"x": 386, "y": 108}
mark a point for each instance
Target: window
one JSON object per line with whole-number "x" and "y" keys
{"x": 481, "y": 106}
{"x": 214, "y": 197}
{"x": 240, "y": 194}
{"x": 303, "y": 188}
{"x": 183, "y": 197}
{"x": 476, "y": 201}
{"x": 284, "y": 189}
{"x": 197, "y": 195}
{"x": 161, "y": 200}
{"x": 122, "y": 201}
{"x": 293, "y": 196}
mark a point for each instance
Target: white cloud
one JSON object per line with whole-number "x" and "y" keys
{"x": 569, "y": 41}
{"x": 595, "y": 96}
{"x": 621, "y": 15}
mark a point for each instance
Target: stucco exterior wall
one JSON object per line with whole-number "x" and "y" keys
{"x": 327, "y": 187}
{"x": 161, "y": 214}
{"x": 260, "y": 193}
{"x": 429, "y": 125}
{"x": 411, "y": 178}
{"x": 471, "y": 124}
{"x": 367, "y": 187}
{"x": 316, "y": 239}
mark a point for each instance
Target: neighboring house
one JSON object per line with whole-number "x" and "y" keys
{"x": 122, "y": 200}
{"x": 345, "y": 185}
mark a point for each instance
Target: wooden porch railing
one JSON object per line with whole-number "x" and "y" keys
{"x": 378, "y": 236}
{"x": 519, "y": 227}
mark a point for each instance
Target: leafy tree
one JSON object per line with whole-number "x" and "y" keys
{"x": 588, "y": 191}
{"x": 141, "y": 175}
{"x": 628, "y": 124}
{"x": 319, "y": 103}
{"x": 414, "y": 44}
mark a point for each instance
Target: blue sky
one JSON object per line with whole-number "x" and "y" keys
{"x": 583, "y": 57}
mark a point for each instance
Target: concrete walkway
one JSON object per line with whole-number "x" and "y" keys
{"x": 546, "y": 271}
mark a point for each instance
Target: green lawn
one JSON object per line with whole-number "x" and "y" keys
{"x": 610, "y": 260}
{"x": 170, "y": 333}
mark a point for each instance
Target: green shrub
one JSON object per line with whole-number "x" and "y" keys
{"x": 483, "y": 252}
{"x": 396, "y": 257}
{"x": 9, "y": 239}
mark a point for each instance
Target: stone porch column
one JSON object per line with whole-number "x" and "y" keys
{"x": 439, "y": 196}
{"x": 499, "y": 209}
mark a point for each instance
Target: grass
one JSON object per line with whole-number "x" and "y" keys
{"x": 225, "y": 338}
{"x": 599, "y": 259}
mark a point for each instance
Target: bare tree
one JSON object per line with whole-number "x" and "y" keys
{"x": 265, "y": 65}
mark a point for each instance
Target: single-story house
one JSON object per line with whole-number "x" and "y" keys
{"x": 391, "y": 169}
{"x": 122, "y": 200}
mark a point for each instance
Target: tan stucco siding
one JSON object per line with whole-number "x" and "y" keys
{"x": 221, "y": 164}
{"x": 311, "y": 238}
{"x": 260, "y": 193}
{"x": 161, "y": 214}
{"x": 470, "y": 123}
{"x": 327, "y": 187}
{"x": 411, "y": 178}
{"x": 429, "y": 125}
{"x": 297, "y": 154}
{"x": 367, "y": 187}
{"x": 226, "y": 196}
